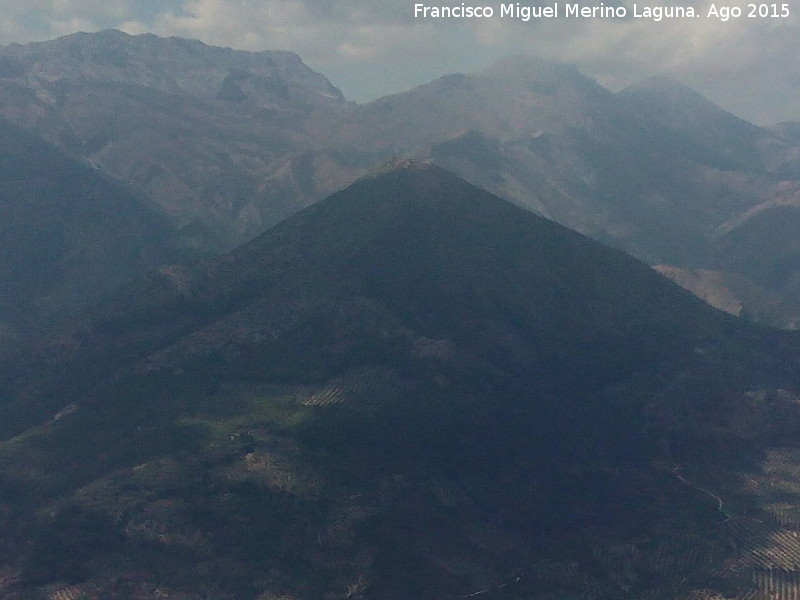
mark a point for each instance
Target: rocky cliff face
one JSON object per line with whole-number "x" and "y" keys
{"x": 169, "y": 65}
{"x": 205, "y": 132}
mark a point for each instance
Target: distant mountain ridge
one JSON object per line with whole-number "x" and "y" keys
{"x": 515, "y": 97}
{"x": 169, "y": 65}
{"x": 411, "y": 388}
{"x": 229, "y": 143}
{"x": 202, "y": 131}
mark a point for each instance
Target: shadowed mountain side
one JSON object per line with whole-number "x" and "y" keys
{"x": 628, "y": 186}
{"x": 765, "y": 248}
{"x": 435, "y": 253}
{"x": 399, "y": 257}
{"x": 67, "y": 234}
{"x": 410, "y": 389}
{"x": 630, "y": 169}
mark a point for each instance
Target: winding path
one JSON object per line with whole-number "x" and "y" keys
{"x": 676, "y": 471}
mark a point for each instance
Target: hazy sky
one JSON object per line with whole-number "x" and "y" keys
{"x": 369, "y": 48}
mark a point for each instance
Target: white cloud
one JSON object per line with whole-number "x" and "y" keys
{"x": 719, "y": 58}
{"x": 374, "y": 46}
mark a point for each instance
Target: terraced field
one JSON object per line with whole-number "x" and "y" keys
{"x": 751, "y": 546}
{"x": 778, "y": 584}
{"x": 366, "y": 388}
{"x": 71, "y": 592}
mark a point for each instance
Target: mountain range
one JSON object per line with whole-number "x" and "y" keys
{"x": 200, "y": 130}
{"x": 228, "y": 143}
{"x": 410, "y": 389}
{"x": 222, "y": 378}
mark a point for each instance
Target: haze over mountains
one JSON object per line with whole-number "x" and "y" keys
{"x": 411, "y": 388}
{"x": 229, "y": 143}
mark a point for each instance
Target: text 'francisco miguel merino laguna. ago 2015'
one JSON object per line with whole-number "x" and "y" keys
{"x": 525, "y": 12}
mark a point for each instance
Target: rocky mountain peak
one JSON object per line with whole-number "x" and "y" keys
{"x": 172, "y": 65}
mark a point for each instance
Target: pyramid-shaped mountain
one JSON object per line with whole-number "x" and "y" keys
{"x": 410, "y": 389}
{"x": 437, "y": 257}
